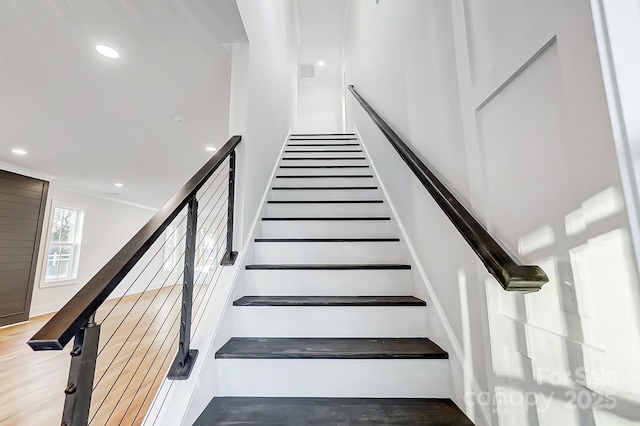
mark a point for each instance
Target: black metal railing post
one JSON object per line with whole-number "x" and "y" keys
{"x": 230, "y": 255}
{"x": 77, "y": 401}
{"x": 186, "y": 357}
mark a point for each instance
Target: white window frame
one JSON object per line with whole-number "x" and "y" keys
{"x": 76, "y": 246}
{"x": 207, "y": 243}
{"x": 169, "y": 248}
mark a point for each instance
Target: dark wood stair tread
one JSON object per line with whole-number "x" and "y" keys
{"x": 330, "y": 348}
{"x": 304, "y": 151}
{"x": 293, "y": 135}
{"x": 323, "y": 139}
{"x": 321, "y": 144}
{"x": 329, "y": 266}
{"x": 329, "y": 301}
{"x": 331, "y": 411}
{"x": 324, "y": 158}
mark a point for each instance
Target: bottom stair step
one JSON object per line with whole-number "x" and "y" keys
{"x": 332, "y": 411}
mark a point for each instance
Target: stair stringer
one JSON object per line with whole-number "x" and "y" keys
{"x": 439, "y": 327}
{"x": 180, "y": 402}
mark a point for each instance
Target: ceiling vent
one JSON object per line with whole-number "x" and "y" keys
{"x": 307, "y": 71}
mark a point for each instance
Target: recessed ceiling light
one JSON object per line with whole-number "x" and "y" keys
{"x": 179, "y": 119}
{"x": 321, "y": 64}
{"x": 107, "y": 51}
{"x": 119, "y": 185}
{"x": 211, "y": 148}
{"x": 19, "y": 151}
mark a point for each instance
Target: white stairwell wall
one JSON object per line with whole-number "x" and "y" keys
{"x": 505, "y": 100}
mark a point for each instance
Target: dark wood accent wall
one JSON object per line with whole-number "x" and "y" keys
{"x": 22, "y": 205}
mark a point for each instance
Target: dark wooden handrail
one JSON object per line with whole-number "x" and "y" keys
{"x": 509, "y": 273}
{"x": 64, "y": 325}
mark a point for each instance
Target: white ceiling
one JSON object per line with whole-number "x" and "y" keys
{"x": 321, "y": 24}
{"x": 88, "y": 121}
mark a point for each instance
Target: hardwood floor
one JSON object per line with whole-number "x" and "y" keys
{"x": 131, "y": 364}
{"x": 31, "y": 383}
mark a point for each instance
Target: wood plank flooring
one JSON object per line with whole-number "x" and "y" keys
{"x": 32, "y": 383}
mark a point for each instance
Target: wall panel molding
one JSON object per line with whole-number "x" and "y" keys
{"x": 538, "y": 37}
{"x": 484, "y": 93}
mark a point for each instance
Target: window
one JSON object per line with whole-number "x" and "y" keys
{"x": 170, "y": 242}
{"x": 64, "y": 244}
{"x": 207, "y": 256}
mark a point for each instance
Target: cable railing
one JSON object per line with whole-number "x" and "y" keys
{"x": 133, "y": 321}
{"x": 510, "y": 274}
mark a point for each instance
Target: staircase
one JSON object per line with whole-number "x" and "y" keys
{"x": 328, "y": 331}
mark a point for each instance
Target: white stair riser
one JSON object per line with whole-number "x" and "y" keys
{"x": 323, "y": 139}
{"x": 327, "y": 229}
{"x": 326, "y": 154}
{"x": 330, "y": 321}
{"x": 324, "y": 194}
{"x": 367, "y": 181}
{"x": 327, "y": 252}
{"x": 323, "y": 162}
{"x": 327, "y": 210}
{"x": 385, "y": 378}
{"x": 295, "y": 146}
{"x": 328, "y": 283}
{"x": 324, "y": 171}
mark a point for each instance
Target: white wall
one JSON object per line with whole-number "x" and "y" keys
{"x": 108, "y": 225}
{"x": 505, "y": 99}
{"x": 264, "y": 91}
{"x": 400, "y": 57}
{"x": 319, "y": 109}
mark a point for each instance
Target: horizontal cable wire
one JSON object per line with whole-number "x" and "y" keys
{"x": 154, "y": 276}
{"x": 161, "y": 247}
{"x": 196, "y": 326}
{"x": 177, "y": 333}
{"x": 199, "y": 247}
{"x": 182, "y": 275}
{"x": 202, "y": 286}
{"x": 169, "y": 275}
{"x": 217, "y": 272}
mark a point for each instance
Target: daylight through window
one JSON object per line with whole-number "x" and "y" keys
{"x": 64, "y": 245}
{"x": 170, "y": 242}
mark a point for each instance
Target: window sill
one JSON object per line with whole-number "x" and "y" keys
{"x": 59, "y": 283}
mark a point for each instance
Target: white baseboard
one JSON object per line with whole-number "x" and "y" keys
{"x": 46, "y": 309}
